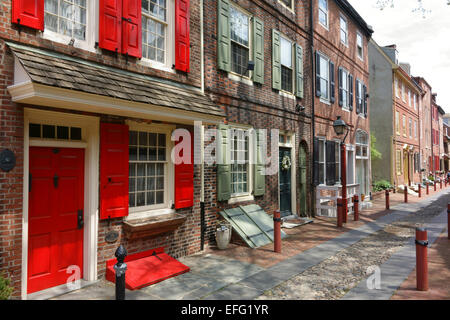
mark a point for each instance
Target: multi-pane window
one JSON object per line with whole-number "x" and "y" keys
{"x": 66, "y": 17}
{"x": 404, "y": 125}
{"x": 362, "y": 145}
{"x": 345, "y": 89}
{"x": 240, "y": 44}
{"x": 324, "y": 77}
{"x": 398, "y": 162}
{"x": 415, "y": 102}
{"x": 397, "y": 122}
{"x": 147, "y": 168}
{"x": 321, "y": 161}
{"x": 360, "y": 97}
{"x": 359, "y": 45}
{"x": 154, "y": 30}
{"x": 286, "y": 65}
{"x": 239, "y": 161}
{"x": 410, "y": 127}
{"x": 47, "y": 131}
{"x": 323, "y": 12}
{"x": 344, "y": 30}
{"x": 396, "y": 88}
{"x": 415, "y": 129}
{"x": 403, "y": 92}
{"x": 409, "y": 97}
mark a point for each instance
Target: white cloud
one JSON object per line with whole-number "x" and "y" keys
{"x": 424, "y": 42}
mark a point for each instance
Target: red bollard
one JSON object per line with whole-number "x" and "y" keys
{"x": 277, "y": 231}
{"x": 448, "y": 220}
{"x": 406, "y": 194}
{"x": 420, "y": 190}
{"x": 344, "y": 211}
{"x": 356, "y": 208}
{"x": 428, "y": 189}
{"x": 434, "y": 183}
{"x": 340, "y": 213}
{"x": 422, "y": 259}
{"x": 387, "y": 199}
{"x": 440, "y": 182}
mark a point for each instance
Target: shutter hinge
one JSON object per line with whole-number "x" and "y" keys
{"x": 30, "y": 179}
{"x": 55, "y": 180}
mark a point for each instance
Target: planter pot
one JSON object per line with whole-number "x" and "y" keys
{"x": 223, "y": 237}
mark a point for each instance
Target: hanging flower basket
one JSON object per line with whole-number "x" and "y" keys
{"x": 286, "y": 163}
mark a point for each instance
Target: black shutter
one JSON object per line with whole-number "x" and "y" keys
{"x": 332, "y": 83}
{"x": 318, "y": 90}
{"x": 337, "y": 152}
{"x": 330, "y": 163}
{"x": 358, "y": 106}
{"x": 350, "y": 85}
{"x": 316, "y": 162}
{"x": 365, "y": 100}
{"x": 341, "y": 91}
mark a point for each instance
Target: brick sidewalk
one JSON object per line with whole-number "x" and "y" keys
{"x": 308, "y": 236}
{"x": 438, "y": 275}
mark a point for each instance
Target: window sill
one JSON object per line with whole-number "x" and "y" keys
{"x": 238, "y": 199}
{"x": 286, "y": 94}
{"x": 325, "y": 101}
{"x": 149, "y": 213}
{"x": 155, "y": 65}
{"x": 236, "y": 77}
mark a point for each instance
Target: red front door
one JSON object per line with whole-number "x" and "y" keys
{"x": 55, "y": 234}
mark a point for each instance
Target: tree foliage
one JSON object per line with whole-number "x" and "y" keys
{"x": 374, "y": 153}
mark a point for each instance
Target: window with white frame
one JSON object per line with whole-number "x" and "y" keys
{"x": 66, "y": 17}
{"x": 344, "y": 30}
{"x": 148, "y": 169}
{"x": 397, "y": 122}
{"x": 415, "y": 129}
{"x": 404, "y": 125}
{"x": 287, "y": 3}
{"x": 410, "y": 127}
{"x": 155, "y": 30}
{"x": 287, "y": 70}
{"x": 324, "y": 77}
{"x": 337, "y": 156}
{"x": 323, "y": 13}
{"x": 240, "y": 159}
{"x": 362, "y": 145}
{"x": 240, "y": 41}
{"x": 360, "y": 45}
{"x": 396, "y": 88}
{"x": 345, "y": 89}
{"x": 360, "y": 97}
{"x": 403, "y": 92}
{"x": 321, "y": 161}
{"x": 415, "y": 102}
{"x": 409, "y": 97}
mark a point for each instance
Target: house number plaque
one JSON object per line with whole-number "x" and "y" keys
{"x": 111, "y": 236}
{"x": 7, "y": 160}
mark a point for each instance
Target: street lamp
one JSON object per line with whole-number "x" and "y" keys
{"x": 339, "y": 127}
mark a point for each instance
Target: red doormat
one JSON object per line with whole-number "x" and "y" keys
{"x": 146, "y": 268}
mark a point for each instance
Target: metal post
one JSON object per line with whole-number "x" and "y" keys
{"x": 120, "y": 268}
{"x": 406, "y": 194}
{"x": 422, "y": 259}
{"x": 344, "y": 181}
{"x": 340, "y": 213}
{"x": 277, "y": 231}
{"x": 356, "y": 208}
{"x": 387, "y": 199}
{"x": 420, "y": 190}
{"x": 428, "y": 189}
{"x": 440, "y": 182}
{"x": 434, "y": 183}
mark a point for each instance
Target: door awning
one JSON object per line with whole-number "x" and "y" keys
{"x": 53, "y": 79}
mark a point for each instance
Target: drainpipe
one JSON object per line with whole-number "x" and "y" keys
{"x": 313, "y": 97}
{"x": 202, "y": 64}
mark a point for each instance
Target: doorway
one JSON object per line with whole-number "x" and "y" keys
{"x": 285, "y": 183}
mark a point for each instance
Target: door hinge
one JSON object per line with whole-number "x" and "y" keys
{"x": 55, "y": 180}
{"x": 30, "y": 179}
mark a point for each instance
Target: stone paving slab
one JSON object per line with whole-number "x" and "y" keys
{"x": 397, "y": 268}
{"x": 235, "y": 291}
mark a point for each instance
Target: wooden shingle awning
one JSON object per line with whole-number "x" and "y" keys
{"x": 53, "y": 79}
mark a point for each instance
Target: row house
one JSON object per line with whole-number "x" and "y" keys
{"x": 98, "y": 97}
{"x": 396, "y": 101}
{"x": 446, "y": 138}
{"x": 91, "y": 94}
{"x": 437, "y": 151}
{"x": 340, "y": 40}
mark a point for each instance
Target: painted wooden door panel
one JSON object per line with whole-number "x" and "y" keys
{"x": 285, "y": 185}
{"x": 56, "y": 196}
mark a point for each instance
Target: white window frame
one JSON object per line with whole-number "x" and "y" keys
{"x": 292, "y": 64}
{"x": 326, "y": 14}
{"x": 361, "y": 57}
{"x": 360, "y": 85}
{"x": 338, "y": 164}
{"x": 361, "y": 157}
{"x": 169, "y": 44}
{"x": 247, "y": 196}
{"x": 169, "y": 173}
{"x": 346, "y": 92}
{"x": 324, "y": 150}
{"x": 415, "y": 101}
{"x": 343, "y": 18}
{"x": 234, "y": 75}
{"x": 397, "y": 94}
{"x": 397, "y": 123}
{"x": 409, "y": 98}
{"x": 410, "y": 128}
{"x": 91, "y": 30}
{"x": 404, "y": 125}
{"x": 415, "y": 129}
{"x": 325, "y": 99}
{"x": 403, "y": 92}
{"x": 291, "y": 8}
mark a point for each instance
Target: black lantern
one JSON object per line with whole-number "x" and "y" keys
{"x": 339, "y": 127}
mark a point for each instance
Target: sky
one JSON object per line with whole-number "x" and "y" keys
{"x": 422, "y": 39}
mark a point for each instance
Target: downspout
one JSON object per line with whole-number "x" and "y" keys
{"x": 202, "y": 64}
{"x": 313, "y": 95}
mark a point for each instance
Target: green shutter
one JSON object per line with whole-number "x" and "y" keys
{"x": 223, "y": 35}
{"x": 259, "y": 177}
{"x": 223, "y": 166}
{"x": 299, "y": 71}
{"x": 258, "y": 50}
{"x": 276, "y": 60}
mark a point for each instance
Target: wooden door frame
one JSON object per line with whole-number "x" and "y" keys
{"x": 291, "y": 146}
{"x": 91, "y": 143}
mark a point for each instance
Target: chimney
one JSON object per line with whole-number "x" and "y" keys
{"x": 406, "y": 67}
{"x": 391, "y": 52}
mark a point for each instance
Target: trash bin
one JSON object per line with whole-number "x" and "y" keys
{"x": 223, "y": 236}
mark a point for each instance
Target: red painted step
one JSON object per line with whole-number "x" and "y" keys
{"x": 147, "y": 268}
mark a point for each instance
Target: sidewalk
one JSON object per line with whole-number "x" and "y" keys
{"x": 244, "y": 273}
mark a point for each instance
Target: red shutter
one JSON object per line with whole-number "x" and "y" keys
{"x": 184, "y": 181}
{"x": 132, "y": 28}
{"x": 113, "y": 170}
{"x": 182, "y": 43}
{"x": 110, "y": 32}
{"x": 28, "y": 13}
